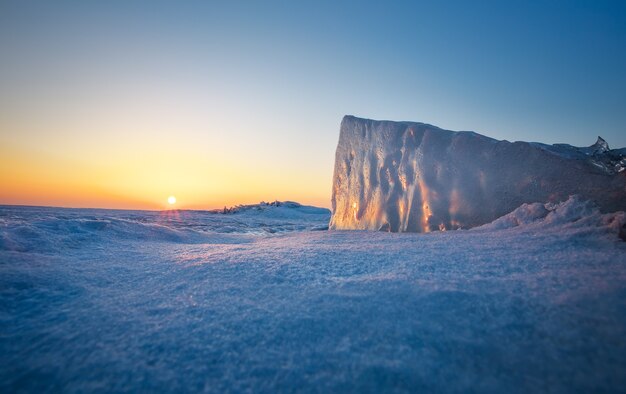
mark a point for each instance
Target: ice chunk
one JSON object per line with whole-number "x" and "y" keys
{"x": 406, "y": 176}
{"x": 601, "y": 146}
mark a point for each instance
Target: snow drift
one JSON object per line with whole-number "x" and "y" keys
{"x": 415, "y": 177}
{"x": 568, "y": 217}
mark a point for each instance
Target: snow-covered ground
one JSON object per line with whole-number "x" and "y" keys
{"x": 257, "y": 301}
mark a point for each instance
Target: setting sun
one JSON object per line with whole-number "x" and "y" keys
{"x": 171, "y": 200}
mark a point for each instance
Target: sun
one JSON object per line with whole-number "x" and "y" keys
{"x": 171, "y": 200}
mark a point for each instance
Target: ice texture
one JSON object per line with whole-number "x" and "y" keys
{"x": 190, "y": 301}
{"x": 415, "y": 177}
{"x": 50, "y": 230}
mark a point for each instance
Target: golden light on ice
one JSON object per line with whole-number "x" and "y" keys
{"x": 171, "y": 200}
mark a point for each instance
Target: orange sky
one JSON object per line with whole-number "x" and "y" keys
{"x": 140, "y": 169}
{"x": 144, "y": 181}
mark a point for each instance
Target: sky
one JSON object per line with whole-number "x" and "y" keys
{"x": 120, "y": 104}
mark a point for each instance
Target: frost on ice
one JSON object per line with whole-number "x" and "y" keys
{"x": 415, "y": 177}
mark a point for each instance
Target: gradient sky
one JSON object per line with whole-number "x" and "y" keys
{"x": 122, "y": 103}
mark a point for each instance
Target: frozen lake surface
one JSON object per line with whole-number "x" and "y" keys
{"x": 267, "y": 300}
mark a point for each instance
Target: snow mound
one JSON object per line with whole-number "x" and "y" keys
{"x": 575, "y": 212}
{"x": 275, "y": 209}
{"x": 415, "y": 177}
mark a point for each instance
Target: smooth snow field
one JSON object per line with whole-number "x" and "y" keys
{"x": 268, "y": 300}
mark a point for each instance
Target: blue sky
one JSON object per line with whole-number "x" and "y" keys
{"x": 263, "y": 85}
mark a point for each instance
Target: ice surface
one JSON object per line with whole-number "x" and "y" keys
{"x": 48, "y": 230}
{"x": 123, "y": 301}
{"x": 405, "y": 176}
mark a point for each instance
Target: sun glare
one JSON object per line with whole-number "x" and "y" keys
{"x": 171, "y": 200}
